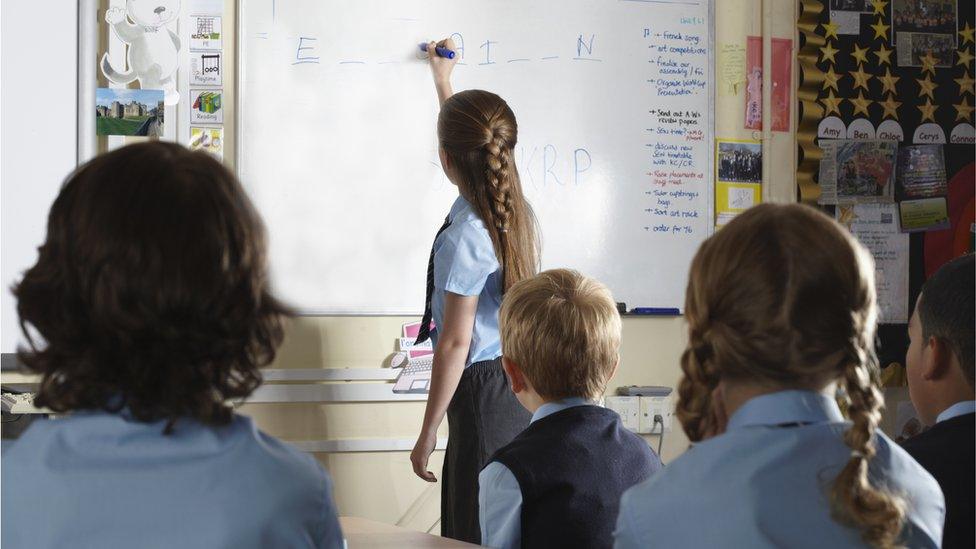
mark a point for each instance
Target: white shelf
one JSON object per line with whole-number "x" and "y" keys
{"x": 361, "y": 445}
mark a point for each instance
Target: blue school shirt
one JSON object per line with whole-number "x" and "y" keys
{"x": 766, "y": 482}
{"x": 465, "y": 264}
{"x": 106, "y": 481}
{"x": 499, "y": 493}
{"x": 958, "y": 409}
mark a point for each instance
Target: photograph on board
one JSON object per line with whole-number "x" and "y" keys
{"x": 129, "y": 112}
{"x": 921, "y": 172}
{"x": 851, "y": 5}
{"x": 924, "y": 16}
{"x": 913, "y": 47}
{"x": 739, "y": 162}
{"x": 865, "y": 169}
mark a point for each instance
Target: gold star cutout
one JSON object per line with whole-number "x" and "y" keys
{"x": 860, "y": 54}
{"x": 928, "y": 111}
{"x": 860, "y": 103}
{"x": 928, "y": 63}
{"x": 880, "y": 29}
{"x": 964, "y": 57}
{"x": 888, "y": 82}
{"x": 965, "y": 84}
{"x": 879, "y": 7}
{"x": 831, "y": 104}
{"x": 963, "y": 110}
{"x": 830, "y": 29}
{"x": 927, "y": 87}
{"x": 890, "y": 107}
{"x": 967, "y": 34}
{"x": 861, "y": 78}
{"x": 828, "y": 53}
{"x": 884, "y": 55}
{"x": 830, "y": 79}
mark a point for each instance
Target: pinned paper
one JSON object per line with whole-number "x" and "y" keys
{"x": 122, "y": 111}
{"x": 208, "y": 139}
{"x": 205, "y": 32}
{"x": 206, "y": 68}
{"x": 754, "y": 82}
{"x": 206, "y": 107}
{"x": 857, "y": 171}
{"x": 782, "y": 82}
{"x": 732, "y": 67}
{"x": 738, "y": 178}
{"x": 876, "y": 227}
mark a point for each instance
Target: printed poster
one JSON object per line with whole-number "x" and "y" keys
{"x": 205, "y": 32}
{"x": 206, "y": 68}
{"x": 754, "y": 81}
{"x": 206, "y": 107}
{"x": 782, "y": 83}
{"x": 876, "y": 227}
{"x": 922, "y": 188}
{"x": 937, "y": 17}
{"x": 738, "y": 179}
{"x": 926, "y": 214}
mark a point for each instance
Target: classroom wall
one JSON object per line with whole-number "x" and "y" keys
{"x": 381, "y": 485}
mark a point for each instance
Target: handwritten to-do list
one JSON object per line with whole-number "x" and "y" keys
{"x": 678, "y": 60}
{"x": 338, "y": 145}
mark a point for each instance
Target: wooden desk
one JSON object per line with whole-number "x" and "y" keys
{"x": 362, "y": 533}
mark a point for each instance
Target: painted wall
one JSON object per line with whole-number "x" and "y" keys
{"x": 381, "y": 485}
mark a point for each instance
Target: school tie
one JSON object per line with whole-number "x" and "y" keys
{"x": 424, "y": 333}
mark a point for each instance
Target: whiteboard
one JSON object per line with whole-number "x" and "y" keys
{"x": 338, "y": 147}
{"x": 39, "y": 148}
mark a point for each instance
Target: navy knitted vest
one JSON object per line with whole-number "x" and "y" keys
{"x": 572, "y": 467}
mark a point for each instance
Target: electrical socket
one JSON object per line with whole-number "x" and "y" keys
{"x": 628, "y": 408}
{"x": 651, "y": 406}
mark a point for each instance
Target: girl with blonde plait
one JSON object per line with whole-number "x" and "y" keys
{"x": 486, "y": 244}
{"x": 781, "y": 320}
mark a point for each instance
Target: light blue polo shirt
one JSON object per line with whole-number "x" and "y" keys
{"x": 767, "y": 481}
{"x": 465, "y": 264}
{"x": 106, "y": 481}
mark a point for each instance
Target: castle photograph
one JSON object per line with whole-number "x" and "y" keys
{"x": 129, "y": 112}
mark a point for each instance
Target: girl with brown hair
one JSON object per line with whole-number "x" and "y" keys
{"x": 781, "y": 319}
{"x": 487, "y": 244}
{"x": 148, "y": 314}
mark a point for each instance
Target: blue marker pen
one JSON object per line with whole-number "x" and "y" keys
{"x": 655, "y": 311}
{"x": 443, "y": 52}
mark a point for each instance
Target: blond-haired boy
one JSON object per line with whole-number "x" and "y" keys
{"x": 559, "y": 482}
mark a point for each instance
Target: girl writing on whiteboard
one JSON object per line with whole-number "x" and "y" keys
{"x": 487, "y": 243}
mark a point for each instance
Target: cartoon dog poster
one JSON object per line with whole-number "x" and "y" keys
{"x": 152, "y": 50}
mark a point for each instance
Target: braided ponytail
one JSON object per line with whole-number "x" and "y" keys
{"x": 695, "y": 390}
{"x": 477, "y": 130}
{"x": 855, "y": 501}
{"x": 795, "y": 308}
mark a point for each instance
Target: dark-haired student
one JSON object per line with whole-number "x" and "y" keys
{"x": 941, "y": 379}
{"x": 148, "y": 311}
